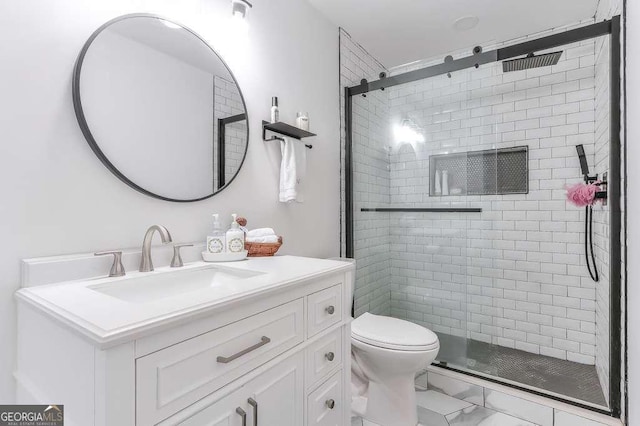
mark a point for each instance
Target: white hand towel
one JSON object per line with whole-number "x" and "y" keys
{"x": 292, "y": 170}
{"x": 260, "y": 232}
{"x": 267, "y": 239}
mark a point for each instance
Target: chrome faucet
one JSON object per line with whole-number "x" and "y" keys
{"x": 146, "y": 265}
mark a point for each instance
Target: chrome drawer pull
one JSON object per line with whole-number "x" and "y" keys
{"x": 243, "y": 414}
{"x": 224, "y": 360}
{"x": 252, "y": 402}
{"x": 330, "y": 310}
{"x": 330, "y": 403}
{"x": 330, "y": 356}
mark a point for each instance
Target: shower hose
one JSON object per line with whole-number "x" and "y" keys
{"x": 588, "y": 243}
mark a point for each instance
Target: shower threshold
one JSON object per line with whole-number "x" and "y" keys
{"x": 573, "y": 380}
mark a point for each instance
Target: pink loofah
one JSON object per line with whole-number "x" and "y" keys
{"x": 582, "y": 194}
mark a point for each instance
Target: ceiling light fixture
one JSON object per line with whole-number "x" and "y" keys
{"x": 240, "y": 8}
{"x": 466, "y": 23}
{"x": 239, "y": 11}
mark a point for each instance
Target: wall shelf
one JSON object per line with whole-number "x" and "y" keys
{"x": 286, "y": 130}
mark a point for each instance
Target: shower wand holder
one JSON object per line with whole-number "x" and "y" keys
{"x": 602, "y": 194}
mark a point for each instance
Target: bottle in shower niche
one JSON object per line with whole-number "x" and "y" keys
{"x": 302, "y": 121}
{"x": 445, "y": 182}
{"x": 235, "y": 237}
{"x": 216, "y": 240}
{"x": 275, "y": 111}
{"x": 437, "y": 185}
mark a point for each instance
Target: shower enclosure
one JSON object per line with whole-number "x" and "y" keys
{"x": 456, "y": 212}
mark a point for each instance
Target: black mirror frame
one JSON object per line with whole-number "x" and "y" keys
{"x": 77, "y": 106}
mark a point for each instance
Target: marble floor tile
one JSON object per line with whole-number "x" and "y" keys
{"x": 431, "y": 418}
{"x": 476, "y": 415}
{"x": 440, "y": 403}
{"x": 455, "y": 388}
{"x": 357, "y": 421}
{"x": 518, "y": 407}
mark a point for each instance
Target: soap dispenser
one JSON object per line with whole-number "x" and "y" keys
{"x": 235, "y": 237}
{"x": 216, "y": 240}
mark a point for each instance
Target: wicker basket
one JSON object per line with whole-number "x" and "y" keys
{"x": 262, "y": 249}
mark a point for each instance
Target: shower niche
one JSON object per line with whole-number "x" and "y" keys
{"x": 486, "y": 172}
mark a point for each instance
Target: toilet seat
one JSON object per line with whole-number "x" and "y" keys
{"x": 393, "y": 333}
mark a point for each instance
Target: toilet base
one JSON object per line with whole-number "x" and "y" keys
{"x": 393, "y": 404}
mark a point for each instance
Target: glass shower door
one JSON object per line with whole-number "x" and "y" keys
{"x": 410, "y": 209}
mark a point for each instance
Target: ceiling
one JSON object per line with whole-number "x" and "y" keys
{"x": 397, "y": 32}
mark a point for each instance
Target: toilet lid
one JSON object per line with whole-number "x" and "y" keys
{"x": 392, "y": 333}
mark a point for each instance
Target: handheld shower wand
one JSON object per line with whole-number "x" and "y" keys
{"x": 583, "y": 162}
{"x": 588, "y": 220}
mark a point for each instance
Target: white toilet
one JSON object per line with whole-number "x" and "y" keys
{"x": 386, "y": 355}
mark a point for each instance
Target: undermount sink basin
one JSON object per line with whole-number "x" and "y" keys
{"x": 161, "y": 285}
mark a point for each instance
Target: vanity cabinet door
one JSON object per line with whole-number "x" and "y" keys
{"x": 279, "y": 394}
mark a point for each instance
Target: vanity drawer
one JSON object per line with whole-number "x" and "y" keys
{"x": 324, "y": 309}
{"x": 323, "y": 357}
{"x": 325, "y": 405}
{"x": 173, "y": 378}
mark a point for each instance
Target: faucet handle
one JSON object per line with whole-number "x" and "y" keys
{"x": 176, "y": 262}
{"x": 117, "y": 270}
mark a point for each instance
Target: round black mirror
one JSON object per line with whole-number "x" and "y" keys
{"x": 160, "y": 108}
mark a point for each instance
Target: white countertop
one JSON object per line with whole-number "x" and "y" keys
{"x": 109, "y": 320}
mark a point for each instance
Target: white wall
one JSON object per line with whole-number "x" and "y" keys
{"x": 633, "y": 205}
{"x": 57, "y": 196}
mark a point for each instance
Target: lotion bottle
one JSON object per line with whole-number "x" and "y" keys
{"x": 216, "y": 239}
{"x": 235, "y": 237}
{"x": 275, "y": 111}
{"x": 302, "y": 121}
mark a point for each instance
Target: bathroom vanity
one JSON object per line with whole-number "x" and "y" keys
{"x": 260, "y": 342}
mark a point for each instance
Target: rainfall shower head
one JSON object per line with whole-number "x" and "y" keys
{"x": 583, "y": 160}
{"x": 531, "y": 61}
